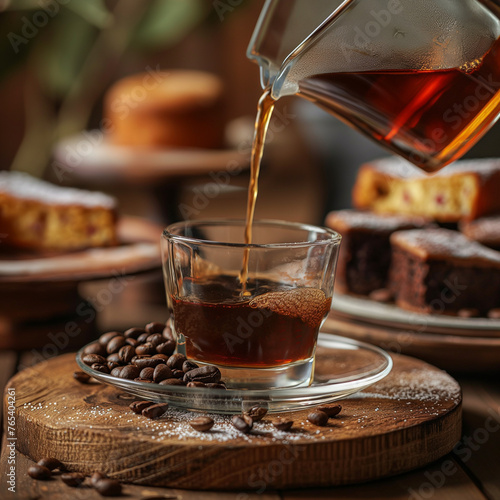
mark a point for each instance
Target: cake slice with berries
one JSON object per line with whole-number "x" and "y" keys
{"x": 464, "y": 190}
{"x": 37, "y": 215}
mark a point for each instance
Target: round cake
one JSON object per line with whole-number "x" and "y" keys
{"x": 166, "y": 109}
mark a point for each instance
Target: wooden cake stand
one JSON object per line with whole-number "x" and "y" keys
{"x": 410, "y": 418}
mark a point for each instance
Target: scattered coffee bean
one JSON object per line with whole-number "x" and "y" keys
{"x": 81, "y": 377}
{"x": 216, "y": 386}
{"x": 90, "y": 359}
{"x": 202, "y": 424}
{"x": 330, "y": 410}
{"x": 130, "y": 372}
{"x": 155, "y": 339}
{"x": 283, "y": 425}
{"x": 147, "y": 361}
{"x": 116, "y": 371}
{"x": 206, "y": 374}
{"x": 51, "y": 463}
{"x": 39, "y": 472}
{"x": 138, "y": 406}
{"x": 126, "y": 353}
{"x": 155, "y": 327}
{"x": 98, "y": 367}
{"x": 167, "y": 347}
{"x": 147, "y": 373}
{"x": 73, "y": 479}
{"x": 108, "y": 487}
{"x": 494, "y": 313}
{"x": 143, "y": 337}
{"x": 381, "y": 295}
{"x": 243, "y": 423}
{"x": 178, "y": 374}
{"x": 256, "y": 413}
{"x": 95, "y": 348}
{"x": 168, "y": 334}
{"x": 106, "y": 337}
{"x": 97, "y": 476}
{"x": 162, "y": 372}
{"x": 133, "y": 333}
{"x": 145, "y": 349}
{"x": 196, "y": 384}
{"x": 189, "y": 365}
{"x": 115, "y": 344}
{"x": 317, "y": 417}
{"x": 172, "y": 381}
{"x": 176, "y": 361}
{"x": 155, "y": 411}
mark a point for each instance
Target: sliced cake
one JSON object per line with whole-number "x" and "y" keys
{"x": 38, "y": 215}
{"x": 442, "y": 272}
{"x": 485, "y": 230}
{"x": 464, "y": 190}
{"x": 365, "y": 253}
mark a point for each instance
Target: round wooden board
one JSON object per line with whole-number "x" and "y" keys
{"x": 405, "y": 421}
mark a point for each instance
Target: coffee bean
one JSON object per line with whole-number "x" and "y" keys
{"x": 39, "y": 472}
{"x": 168, "y": 334}
{"x": 81, "y": 377}
{"x": 115, "y": 344}
{"x": 317, "y": 417}
{"x": 130, "y": 372}
{"x": 147, "y": 373}
{"x": 108, "y": 487}
{"x": 189, "y": 365}
{"x": 142, "y": 337}
{"x": 494, "y": 313}
{"x": 283, "y": 425}
{"x": 145, "y": 349}
{"x": 126, "y": 353}
{"x": 167, "y": 347}
{"x": 330, "y": 410}
{"x": 155, "y": 339}
{"x": 143, "y": 380}
{"x": 51, "y": 463}
{"x": 73, "y": 479}
{"x": 160, "y": 356}
{"x": 106, "y": 337}
{"x": 216, "y": 386}
{"x": 155, "y": 411}
{"x": 202, "y": 424}
{"x": 90, "y": 359}
{"x": 176, "y": 361}
{"x": 243, "y": 423}
{"x": 116, "y": 371}
{"x": 147, "y": 361}
{"x": 114, "y": 358}
{"x": 97, "y": 476}
{"x": 138, "y": 406}
{"x": 162, "y": 372}
{"x": 196, "y": 384}
{"x": 256, "y": 413}
{"x": 172, "y": 381}
{"x": 133, "y": 333}
{"x": 178, "y": 374}
{"x": 155, "y": 327}
{"x": 134, "y": 343}
{"x": 111, "y": 365}
{"x": 207, "y": 374}
{"x": 98, "y": 367}
{"x": 95, "y": 348}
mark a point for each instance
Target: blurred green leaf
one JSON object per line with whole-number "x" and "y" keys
{"x": 62, "y": 55}
{"x": 167, "y": 21}
{"x": 93, "y": 11}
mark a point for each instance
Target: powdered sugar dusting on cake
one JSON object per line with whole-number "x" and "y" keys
{"x": 485, "y": 230}
{"x": 447, "y": 243}
{"x": 26, "y": 187}
{"x": 403, "y": 169}
{"x": 372, "y": 221}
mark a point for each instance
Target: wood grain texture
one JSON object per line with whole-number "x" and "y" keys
{"x": 405, "y": 421}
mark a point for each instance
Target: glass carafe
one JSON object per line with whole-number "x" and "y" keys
{"x": 420, "y": 77}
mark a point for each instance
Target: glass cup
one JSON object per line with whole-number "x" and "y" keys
{"x": 261, "y": 333}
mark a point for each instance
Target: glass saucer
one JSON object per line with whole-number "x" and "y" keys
{"x": 342, "y": 367}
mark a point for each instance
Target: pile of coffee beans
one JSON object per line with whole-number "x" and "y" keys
{"x": 147, "y": 355}
{"x": 99, "y": 481}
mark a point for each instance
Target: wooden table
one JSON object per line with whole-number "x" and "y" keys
{"x": 471, "y": 473}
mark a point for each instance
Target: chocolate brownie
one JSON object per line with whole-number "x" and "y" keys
{"x": 442, "y": 272}
{"x": 485, "y": 230}
{"x": 365, "y": 253}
